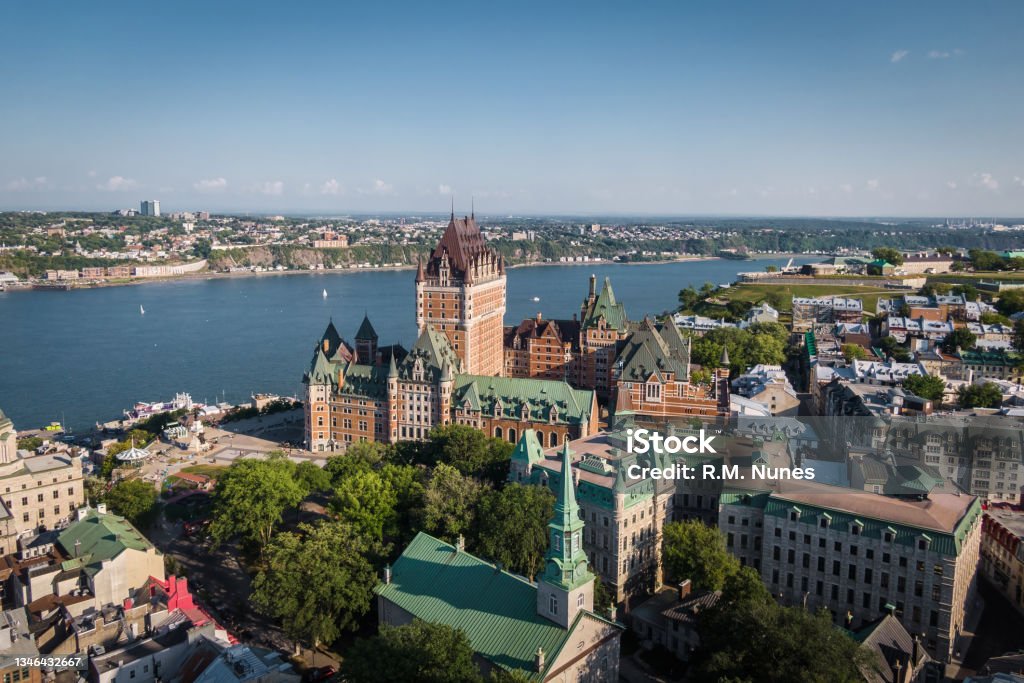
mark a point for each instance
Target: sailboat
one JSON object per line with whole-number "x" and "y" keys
{"x": 142, "y": 311}
{"x": 536, "y": 298}
{"x": 325, "y": 293}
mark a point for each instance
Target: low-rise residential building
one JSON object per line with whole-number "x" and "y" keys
{"x": 768, "y": 385}
{"x": 808, "y": 312}
{"x": 670, "y": 619}
{"x": 99, "y": 559}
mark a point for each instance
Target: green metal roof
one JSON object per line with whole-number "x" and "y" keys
{"x": 648, "y": 352}
{"x": 945, "y": 543}
{"x": 483, "y": 392}
{"x": 497, "y": 610}
{"x": 99, "y": 537}
{"x": 528, "y": 448}
{"x": 605, "y": 306}
{"x": 366, "y": 330}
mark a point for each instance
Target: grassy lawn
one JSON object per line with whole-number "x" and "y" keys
{"x": 754, "y": 293}
{"x": 972, "y": 277}
{"x": 212, "y": 471}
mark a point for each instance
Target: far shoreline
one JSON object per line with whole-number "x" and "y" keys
{"x": 213, "y": 275}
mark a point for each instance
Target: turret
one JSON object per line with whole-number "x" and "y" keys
{"x": 566, "y": 586}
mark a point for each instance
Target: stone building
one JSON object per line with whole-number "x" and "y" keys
{"x": 862, "y": 555}
{"x": 549, "y": 630}
{"x": 1002, "y": 552}
{"x": 36, "y": 491}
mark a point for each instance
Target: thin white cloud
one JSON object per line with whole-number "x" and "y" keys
{"x": 951, "y": 184}
{"x": 271, "y": 187}
{"x": 332, "y": 187}
{"x": 986, "y": 181}
{"x": 944, "y": 54}
{"x": 379, "y": 187}
{"x": 847, "y": 188}
{"x": 444, "y": 189}
{"x": 211, "y": 185}
{"x": 898, "y": 56}
{"x": 117, "y": 183}
{"x": 872, "y": 184}
{"x": 26, "y": 184}
{"x": 91, "y": 174}
{"x": 1017, "y": 180}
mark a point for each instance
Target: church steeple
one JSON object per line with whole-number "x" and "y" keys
{"x": 567, "y": 585}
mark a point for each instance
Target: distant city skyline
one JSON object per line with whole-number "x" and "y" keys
{"x": 791, "y": 109}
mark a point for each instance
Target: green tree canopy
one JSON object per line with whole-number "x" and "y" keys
{"x": 312, "y": 478}
{"x": 133, "y": 499}
{"x": 756, "y": 640}
{"x": 931, "y": 387}
{"x": 513, "y": 526}
{"x": 250, "y": 498}
{"x": 889, "y": 254}
{"x": 852, "y": 352}
{"x": 1010, "y": 302}
{"x": 420, "y": 651}
{"x": 450, "y": 503}
{"x": 366, "y": 501}
{"x": 987, "y": 395}
{"x": 960, "y": 338}
{"x": 317, "y": 582}
{"x": 470, "y": 451}
{"x": 693, "y": 550}
{"x": 759, "y": 343}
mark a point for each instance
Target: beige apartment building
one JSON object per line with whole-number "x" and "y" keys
{"x": 36, "y": 492}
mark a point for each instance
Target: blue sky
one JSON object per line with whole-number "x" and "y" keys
{"x": 782, "y": 108}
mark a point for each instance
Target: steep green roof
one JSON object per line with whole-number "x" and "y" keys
{"x": 483, "y": 392}
{"x": 528, "y": 448}
{"x": 605, "y": 306}
{"x": 99, "y": 537}
{"x": 320, "y": 370}
{"x": 497, "y": 610}
{"x": 647, "y": 353}
{"x": 366, "y": 330}
{"x": 432, "y": 350}
{"x": 369, "y": 381}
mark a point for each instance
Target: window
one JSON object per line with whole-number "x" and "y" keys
{"x": 552, "y": 604}
{"x": 579, "y": 600}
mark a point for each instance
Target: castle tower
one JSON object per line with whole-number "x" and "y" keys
{"x": 392, "y": 422}
{"x": 460, "y": 292}
{"x": 366, "y": 343}
{"x": 566, "y": 586}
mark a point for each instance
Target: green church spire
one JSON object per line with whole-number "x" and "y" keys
{"x": 565, "y": 561}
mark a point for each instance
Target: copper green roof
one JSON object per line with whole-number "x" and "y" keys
{"x": 528, "y": 449}
{"x": 484, "y": 393}
{"x": 320, "y": 369}
{"x": 605, "y": 306}
{"x": 647, "y": 352}
{"x": 369, "y": 381}
{"x": 97, "y": 538}
{"x": 497, "y": 610}
{"x": 431, "y": 350}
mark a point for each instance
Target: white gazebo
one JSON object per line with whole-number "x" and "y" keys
{"x": 132, "y": 456}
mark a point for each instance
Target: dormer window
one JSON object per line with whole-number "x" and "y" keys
{"x": 525, "y": 412}
{"x": 554, "y": 413}
{"x": 857, "y": 527}
{"x": 498, "y": 409}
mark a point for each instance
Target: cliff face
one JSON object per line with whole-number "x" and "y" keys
{"x": 304, "y": 257}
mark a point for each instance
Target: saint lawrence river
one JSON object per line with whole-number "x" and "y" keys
{"x": 85, "y": 355}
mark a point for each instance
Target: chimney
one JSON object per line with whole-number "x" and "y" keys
{"x": 613, "y": 611}
{"x": 538, "y": 660}
{"x": 593, "y": 285}
{"x": 101, "y": 508}
{"x": 538, "y": 316}
{"x": 387, "y": 574}
{"x": 460, "y": 544}
{"x": 915, "y": 653}
{"x": 684, "y": 588}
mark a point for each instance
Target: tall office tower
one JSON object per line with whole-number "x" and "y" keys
{"x": 460, "y": 292}
{"x": 150, "y": 207}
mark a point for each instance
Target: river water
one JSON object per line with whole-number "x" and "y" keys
{"x": 85, "y": 355}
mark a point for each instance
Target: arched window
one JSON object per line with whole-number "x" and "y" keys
{"x": 512, "y": 434}
{"x": 497, "y": 432}
{"x": 540, "y": 438}
{"x": 554, "y": 439}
